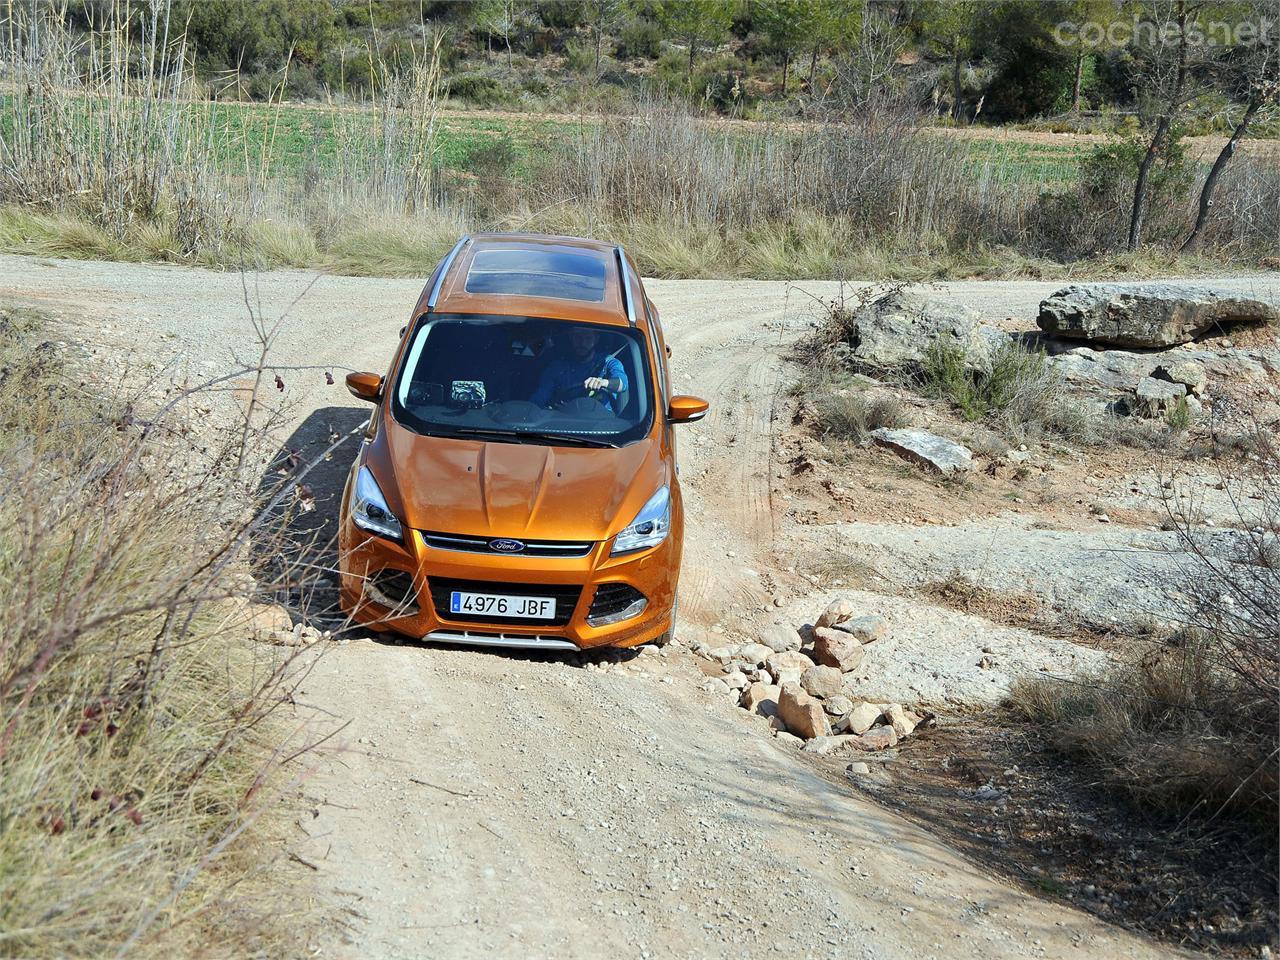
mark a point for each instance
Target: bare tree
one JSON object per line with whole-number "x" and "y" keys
{"x": 1263, "y": 84}
{"x": 1168, "y": 73}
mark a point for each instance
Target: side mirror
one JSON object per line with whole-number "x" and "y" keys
{"x": 687, "y": 409}
{"x": 365, "y": 386}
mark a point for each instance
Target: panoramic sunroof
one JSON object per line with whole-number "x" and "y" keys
{"x": 537, "y": 273}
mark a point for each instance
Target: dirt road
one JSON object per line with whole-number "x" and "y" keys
{"x": 493, "y": 804}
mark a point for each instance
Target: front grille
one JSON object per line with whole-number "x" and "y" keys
{"x": 532, "y": 548}
{"x": 612, "y": 602}
{"x": 566, "y": 598}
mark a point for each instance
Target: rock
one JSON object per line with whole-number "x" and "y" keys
{"x": 755, "y": 653}
{"x": 1190, "y": 373}
{"x": 865, "y": 629}
{"x": 877, "y": 738}
{"x": 858, "y": 768}
{"x": 1146, "y": 314}
{"x": 860, "y": 718}
{"x": 821, "y": 682}
{"x": 789, "y": 739}
{"x": 837, "y": 706}
{"x": 837, "y": 610}
{"x": 281, "y": 638}
{"x": 264, "y": 618}
{"x": 761, "y": 698}
{"x": 737, "y": 681}
{"x": 1154, "y": 398}
{"x": 802, "y": 714}
{"x": 716, "y": 686}
{"x": 780, "y": 638}
{"x": 898, "y": 329}
{"x": 926, "y": 449}
{"x": 787, "y": 660}
{"x": 902, "y": 721}
{"x": 835, "y": 648}
{"x": 825, "y": 746}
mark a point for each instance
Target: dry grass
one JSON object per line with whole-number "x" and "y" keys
{"x": 1193, "y": 726}
{"x": 137, "y": 745}
{"x": 840, "y": 410}
{"x": 110, "y": 153}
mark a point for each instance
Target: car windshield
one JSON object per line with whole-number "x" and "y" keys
{"x": 526, "y": 380}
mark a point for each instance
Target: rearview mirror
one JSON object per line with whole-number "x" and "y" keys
{"x": 365, "y": 386}
{"x": 687, "y": 409}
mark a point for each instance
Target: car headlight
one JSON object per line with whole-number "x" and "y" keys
{"x": 369, "y": 508}
{"x": 649, "y": 528}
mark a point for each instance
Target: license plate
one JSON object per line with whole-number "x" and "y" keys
{"x": 502, "y": 605}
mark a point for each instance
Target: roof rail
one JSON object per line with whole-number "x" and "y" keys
{"x": 444, "y": 269}
{"x": 625, "y": 273}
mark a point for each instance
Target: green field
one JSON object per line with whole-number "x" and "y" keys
{"x": 290, "y": 141}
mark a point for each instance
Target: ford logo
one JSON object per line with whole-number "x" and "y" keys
{"x": 506, "y": 546}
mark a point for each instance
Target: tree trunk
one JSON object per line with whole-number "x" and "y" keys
{"x": 1163, "y": 125}
{"x": 599, "y": 40}
{"x": 1075, "y": 85}
{"x": 693, "y": 46}
{"x": 813, "y": 68}
{"x": 955, "y": 84}
{"x": 786, "y": 62}
{"x": 1140, "y": 186}
{"x": 1194, "y": 242}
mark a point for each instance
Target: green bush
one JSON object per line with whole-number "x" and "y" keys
{"x": 639, "y": 38}
{"x": 478, "y": 89}
{"x": 580, "y": 56}
{"x": 1020, "y": 395}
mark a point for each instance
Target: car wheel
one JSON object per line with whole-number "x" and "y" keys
{"x": 667, "y": 637}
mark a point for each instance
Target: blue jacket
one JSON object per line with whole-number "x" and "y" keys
{"x": 564, "y": 376}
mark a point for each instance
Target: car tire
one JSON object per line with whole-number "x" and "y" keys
{"x": 667, "y": 637}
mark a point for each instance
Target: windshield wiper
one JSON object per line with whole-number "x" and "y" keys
{"x": 530, "y": 436}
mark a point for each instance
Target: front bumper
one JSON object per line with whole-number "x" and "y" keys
{"x": 367, "y": 560}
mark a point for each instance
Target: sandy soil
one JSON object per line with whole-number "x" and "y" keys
{"x": 490, "y": 804}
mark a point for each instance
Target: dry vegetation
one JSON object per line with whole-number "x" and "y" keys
{"x": 1192, "y": 726}
{"x": 138, "y": 742}
{"x": 107, "y": 152}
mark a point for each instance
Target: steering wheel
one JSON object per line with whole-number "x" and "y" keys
{"x": 582, "y": 400}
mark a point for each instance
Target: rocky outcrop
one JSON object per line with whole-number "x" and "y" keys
{"x": 898, "y": 329}
{"x": 1146, "y": 314}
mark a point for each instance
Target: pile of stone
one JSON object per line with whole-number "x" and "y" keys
{"x": 272, "y": 623}
{"x": 807, "y": 689}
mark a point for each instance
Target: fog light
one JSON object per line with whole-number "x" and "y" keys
{"x": 615, "y": 602}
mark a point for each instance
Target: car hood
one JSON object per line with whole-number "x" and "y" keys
{"x": 516, "y": 490}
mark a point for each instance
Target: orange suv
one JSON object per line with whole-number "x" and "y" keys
{"x": 517, "y": 485}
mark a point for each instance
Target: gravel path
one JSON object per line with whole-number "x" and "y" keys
{"x": 490, "y": 804}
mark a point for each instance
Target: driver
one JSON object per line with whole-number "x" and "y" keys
{"x": 586, "y": 368}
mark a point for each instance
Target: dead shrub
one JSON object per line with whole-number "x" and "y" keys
{"x": 844, "y": 413}
{"x": 1193, "y": 726}
{"x": 136, "y": 744}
